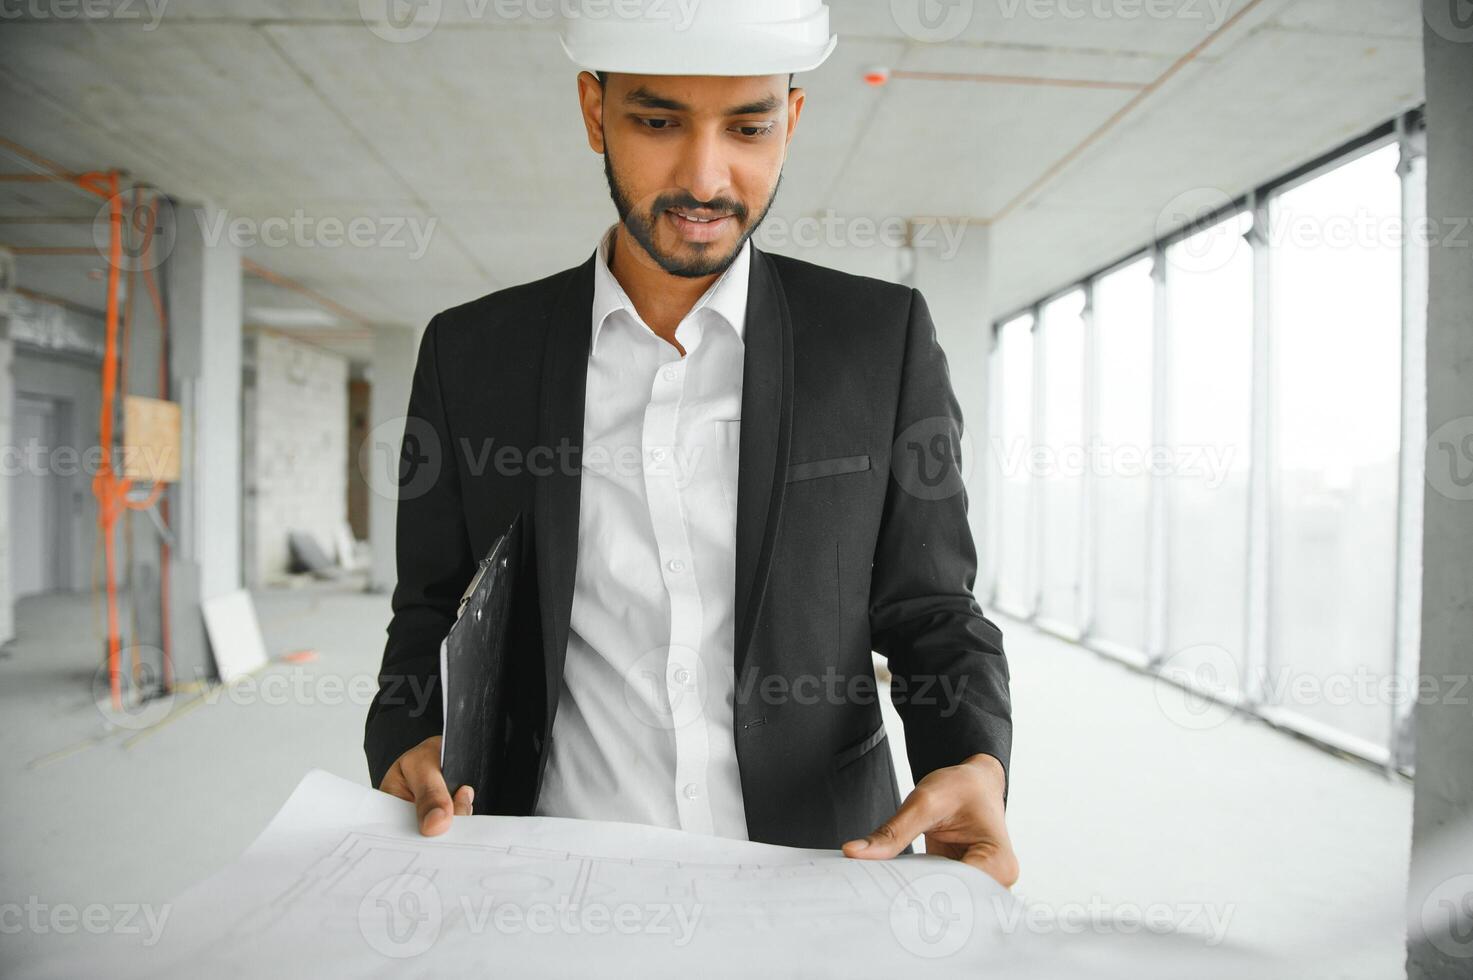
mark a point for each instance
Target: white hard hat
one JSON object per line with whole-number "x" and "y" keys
{"x": 697, "y": 37}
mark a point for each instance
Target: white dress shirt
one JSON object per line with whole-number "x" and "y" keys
{"x": 643, "y": 731}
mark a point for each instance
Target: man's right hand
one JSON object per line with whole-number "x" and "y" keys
{"x": 415, "y": 776}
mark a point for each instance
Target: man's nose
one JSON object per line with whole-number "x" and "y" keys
{"x": 703, "y": 170}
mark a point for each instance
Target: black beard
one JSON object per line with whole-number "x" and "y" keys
{"x": 642, "y": 226}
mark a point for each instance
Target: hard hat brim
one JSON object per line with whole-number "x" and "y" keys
{"x": 661, "y": 56}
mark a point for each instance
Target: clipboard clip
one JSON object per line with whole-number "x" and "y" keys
{"x": 470, "y": 590}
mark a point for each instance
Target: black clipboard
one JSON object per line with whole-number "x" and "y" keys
{"x": 473, "y": 673}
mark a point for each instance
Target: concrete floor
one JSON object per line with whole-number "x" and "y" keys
{"x": 1287, "y": 854}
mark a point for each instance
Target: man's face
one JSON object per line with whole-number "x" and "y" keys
{"x": 693, "y": 162}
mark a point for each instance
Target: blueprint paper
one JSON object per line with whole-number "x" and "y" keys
{"x": 341, "y": 884}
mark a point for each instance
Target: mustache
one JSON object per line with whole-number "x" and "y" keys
{"x": 687, "y": 202}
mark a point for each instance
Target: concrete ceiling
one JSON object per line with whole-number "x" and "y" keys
{"x": 470, "y": 133}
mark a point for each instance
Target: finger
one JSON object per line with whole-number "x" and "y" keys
{"x": 431, "y": 798}
{"x": 395, "y": 785}
{"x": 915, "y": 816}
{"x": 997, "y": 861}
{"x": 464, "y": 797}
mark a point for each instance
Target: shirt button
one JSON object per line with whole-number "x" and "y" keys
{"x": 669, "y": 374}
{"x": 682, "y": 676}
{"x": 657, "y": 454}
{"x": 675, "y": 565}
{"x": 692, "y": 791}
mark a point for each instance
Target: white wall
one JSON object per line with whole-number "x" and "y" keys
{"x": 954, "y": 279}
{"x": 392, "y": 374}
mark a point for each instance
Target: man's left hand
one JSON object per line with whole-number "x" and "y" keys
{"x": 960, "y": 810}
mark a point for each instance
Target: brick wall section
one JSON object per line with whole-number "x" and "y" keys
{"x": 300, "y": 459}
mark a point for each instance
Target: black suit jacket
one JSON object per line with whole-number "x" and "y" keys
{"x": 851, "y": 536}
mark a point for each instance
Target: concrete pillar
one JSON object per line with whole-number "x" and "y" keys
{"x": 7, "y": 400}
{"x": 1440, "y": 891}
{"x": 949, "y": 264}
{"x": 204, "y": 296}
{"x": 395, "y": 350}
{"x": 139, "y": 542}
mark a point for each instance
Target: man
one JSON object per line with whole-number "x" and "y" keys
{"x": 741, "y": 475}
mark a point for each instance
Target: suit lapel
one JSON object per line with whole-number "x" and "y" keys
{"x": 560, "y": 424}
{"x": 767, "y": 409}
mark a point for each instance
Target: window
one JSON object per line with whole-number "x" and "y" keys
{"x": 1204, "y": 465}
{"x": 1060, "y": 462}
{"x": 1336, "y": 419}
{"x": 1209, "y": 459}
{"x": 1013, "y": 425}
{"x": 1123, "y": 321}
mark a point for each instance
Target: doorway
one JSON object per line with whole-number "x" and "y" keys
{"x": 40, "y": 496}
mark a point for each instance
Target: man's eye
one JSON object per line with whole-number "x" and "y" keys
{"x": 755, "y": 131}
{"x": 658, "y": 123}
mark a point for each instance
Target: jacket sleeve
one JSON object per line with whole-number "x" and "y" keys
{"x": 950, "y": 676}
{"x": 434, "y": 561}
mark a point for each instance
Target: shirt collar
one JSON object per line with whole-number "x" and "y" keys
{"x": 727, "y": 296}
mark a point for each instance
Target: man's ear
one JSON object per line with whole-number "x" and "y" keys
{"x": 591, "y": 102}
{"x": 796, "y": 97}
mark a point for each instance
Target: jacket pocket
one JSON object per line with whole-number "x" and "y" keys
{"x": 862, "y": 790}
{"x": 855, "y": 752}
{"x": 815, "y": 468}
